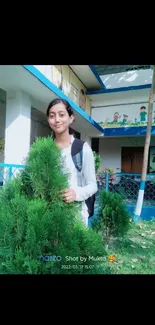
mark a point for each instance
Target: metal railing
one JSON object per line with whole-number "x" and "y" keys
{"x": 7, "y": 171}
{"x": 127, "y": 185}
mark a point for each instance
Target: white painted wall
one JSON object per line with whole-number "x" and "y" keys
{"x": 110, "y": 149}
{"x": 2, "y": 119}
{"x": 129, "y": 102}
{"x": 17, "y": 127}
{"x": 117, "y": 98}
{"x": 2, "y": 124}
{"x": 38, "y": 129}
{"x": 103, "y": 107}
{"x": 39, "y": 125}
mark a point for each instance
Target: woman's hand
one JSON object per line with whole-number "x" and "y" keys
{"x": 68, "y": 195}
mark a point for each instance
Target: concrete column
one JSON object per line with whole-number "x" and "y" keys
{"x": 2, "y": 123}
{"x": 86, "y": 138}
{"x": 18, "y": 127}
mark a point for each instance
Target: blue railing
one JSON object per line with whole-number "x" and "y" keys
{"x": 7, "y": 171}
{"x": 126, "y": 184}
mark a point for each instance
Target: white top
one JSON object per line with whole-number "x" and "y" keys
{"x": 87, "y": 176}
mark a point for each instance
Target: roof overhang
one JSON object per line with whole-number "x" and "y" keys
{"x": 117, "y": 90}
{"x": 88, "y": 76}
{"x": 42, "y": 91}
{"x": 129, "y": 79}
{"x": 112, "y": 69}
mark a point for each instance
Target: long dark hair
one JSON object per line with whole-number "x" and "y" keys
{"x": 68, "y": 109}
{"x": 58, "y": 101}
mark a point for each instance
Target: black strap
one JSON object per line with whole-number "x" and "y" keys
{"x": 77, "y": 153}
{"x": 77, "y": 146}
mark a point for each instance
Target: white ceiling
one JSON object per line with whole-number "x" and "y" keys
{"x": 16, "y": 77}
{"x": 129, "y": 78}
{"x": 87, "y": 77}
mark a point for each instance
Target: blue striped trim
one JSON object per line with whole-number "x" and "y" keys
{"x": 59, "y": 93}
{"x": 115, "y": 90}
{"x": 142, "y": 185}
{"x": 97, "y": 76}
{"x": 128, "y": 130}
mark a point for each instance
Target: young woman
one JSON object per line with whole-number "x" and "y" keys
{"x": 60, "y": 116}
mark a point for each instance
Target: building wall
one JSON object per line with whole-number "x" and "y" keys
{"x": 2, "y": 123}
{"x": 121, "y": 109}
{"x": 110, "y": 149}
{"x": 66, "y": 80}
{"x": 17, "y": 127}
{"x": 39, "y": 125}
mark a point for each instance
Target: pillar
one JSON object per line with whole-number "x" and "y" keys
{"x": 17, "y": 127}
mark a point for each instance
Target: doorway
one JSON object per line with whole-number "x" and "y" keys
{"x": 132, "y": 159}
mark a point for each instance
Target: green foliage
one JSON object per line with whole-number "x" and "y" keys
{"x": 97, "y": 160}
{"x": 135, "y": 254}
{"x": 113, "y": 218}
{"x": 35, "y": 221}
{"x": 44, "y": 182}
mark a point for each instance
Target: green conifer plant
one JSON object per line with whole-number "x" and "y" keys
{"x": 113, "y": 218}
{"x": 39, "y": 232}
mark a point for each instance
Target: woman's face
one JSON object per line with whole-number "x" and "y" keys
{"x": 59, "y": 119}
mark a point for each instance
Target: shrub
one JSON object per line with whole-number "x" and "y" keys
{"x": 112, "y": 217}
{"x": 36, "y": 223}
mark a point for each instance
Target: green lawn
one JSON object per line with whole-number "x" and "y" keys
{"x": 135, "y": 254}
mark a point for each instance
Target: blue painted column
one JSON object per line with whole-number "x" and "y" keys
{"x": 107, "y": 182}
